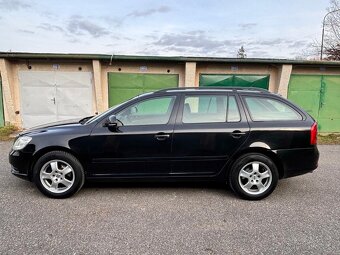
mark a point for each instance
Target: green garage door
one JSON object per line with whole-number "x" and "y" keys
{"x": 304, "y": 90}
{"x": 123, "y": 86}
{"x": 238, "y": 80}
{"x": 319, "y": 96}
{"x": 329, "y": 112}
{"x": 2, "y": 121}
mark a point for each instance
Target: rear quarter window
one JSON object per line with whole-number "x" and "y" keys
{"x": 269, "y": 109}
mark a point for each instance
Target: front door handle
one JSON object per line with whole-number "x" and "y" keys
{"x": 162, "y": 136}
{"x": 237, "y": 133}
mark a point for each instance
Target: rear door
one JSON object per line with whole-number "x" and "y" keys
{"x": 209, "y": 130}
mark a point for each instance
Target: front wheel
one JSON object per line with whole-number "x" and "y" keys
{"x": 253, "y": 176}
{"x": 58, "y": 174}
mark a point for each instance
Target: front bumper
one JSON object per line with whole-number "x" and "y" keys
{"x": 20, "y": 164}
{"x": 298, "y": 161}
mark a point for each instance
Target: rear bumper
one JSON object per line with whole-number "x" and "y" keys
{"x": 298, "y": 161}
{"x": 20, "y": 164}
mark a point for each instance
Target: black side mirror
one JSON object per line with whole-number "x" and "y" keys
{"x": 112, "y": 122}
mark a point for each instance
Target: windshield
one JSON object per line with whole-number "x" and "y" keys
{"x": 96, "y": 117}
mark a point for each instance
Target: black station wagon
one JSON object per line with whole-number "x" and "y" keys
{"x": 246, "y": 137}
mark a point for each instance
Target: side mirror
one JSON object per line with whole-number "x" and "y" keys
{"x": 112, "y": 122}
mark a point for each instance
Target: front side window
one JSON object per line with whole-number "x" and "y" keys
{"x": 267, "y": 109}
{"x": 205, "y": 109}
{"x": 154, "y": 111}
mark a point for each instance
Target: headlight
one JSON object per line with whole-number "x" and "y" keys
{"x": 21, "y": 142}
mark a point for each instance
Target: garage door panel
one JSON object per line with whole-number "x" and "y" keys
{"x": 32, "y": 120}
{"x": 119, "y": 95}
{"x": 310, "y": 102}
{"x": 125, "y": 80}
{"x": 228, "y": 80}
{"x": 74, "y": 80}
{"x": 159, "y": 81}
{"x": 329, "y": 112}
{"x": 258, "y": 81}
{"x": 318, "y": 95}
{"x": 51, "y": 96}
{"x": 305, "y": 82}
{"x": 304, "y": 90}
{"x": 36, "y": 79}
{"x": 43, "y": 95}
{"x": 216, "y": 80}
{"x": 125, "y": 86}
{"x": 37, "y": 97}
{"x": 75, "y": 102}
{"x": 327, "y": 125}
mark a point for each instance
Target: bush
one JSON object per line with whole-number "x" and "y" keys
{"x": 6, "y": 131}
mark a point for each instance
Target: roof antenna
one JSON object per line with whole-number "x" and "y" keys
{"x": 111, "y": 59}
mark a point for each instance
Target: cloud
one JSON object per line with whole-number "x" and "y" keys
{"x": 271, "y": 42}
{"x": 51, "y": 27}
{"x": 13, "y": 5}
{"x": 25, "y": 31}
{"x": 299, "y": 44}
{"x": 79, "y": 26}
{"x": 148, "y": 12}
{"x": 195, "y": 39}
{"x": 245, "y": 26}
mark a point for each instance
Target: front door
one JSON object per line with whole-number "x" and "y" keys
{"x": 209, "y": 129}
{"x": 141, "y": 145}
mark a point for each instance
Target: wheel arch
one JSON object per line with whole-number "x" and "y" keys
{"x": 45, "y": 150}
{"x": 270, "y": 154}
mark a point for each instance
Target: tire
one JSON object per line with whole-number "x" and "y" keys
{"x": 58, "y": 174}
{"x": 253, "y": 176}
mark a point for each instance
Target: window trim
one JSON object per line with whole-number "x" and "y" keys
{"x": 275, "y": 99}
{"x": 151, "y": 98}
{"x": 238, "y": 107}
{"x": 182, "y": 102}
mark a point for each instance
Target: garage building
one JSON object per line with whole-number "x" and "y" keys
{"x": 39, "y": 88}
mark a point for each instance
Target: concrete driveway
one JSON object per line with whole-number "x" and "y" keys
{"x": 301, "y": 217}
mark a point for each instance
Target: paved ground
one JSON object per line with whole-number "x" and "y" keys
{"x": 301, "y": 217}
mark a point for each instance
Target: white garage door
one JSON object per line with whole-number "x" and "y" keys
{"x": 53, "y": 96}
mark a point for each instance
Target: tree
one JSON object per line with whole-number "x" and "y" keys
{"x": 241, "y": 53}
{"x": 332, "y": 32}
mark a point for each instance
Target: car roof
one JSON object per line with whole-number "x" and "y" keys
{"x": 215, "y": 89}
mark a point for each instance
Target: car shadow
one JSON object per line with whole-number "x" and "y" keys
{"x": 220, "y": 188}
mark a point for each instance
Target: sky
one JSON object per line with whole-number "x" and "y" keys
{"x": 206, "y": 28}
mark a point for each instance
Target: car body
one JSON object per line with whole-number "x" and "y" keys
{"x": 175, "y": 134}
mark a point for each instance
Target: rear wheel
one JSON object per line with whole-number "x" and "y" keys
{"x": 58, "y": 174}
{"x": 253, "y": 176}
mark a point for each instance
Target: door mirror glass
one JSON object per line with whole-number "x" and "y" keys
{"x": 112, "y": 121}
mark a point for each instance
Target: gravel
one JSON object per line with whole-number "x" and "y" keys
{"x": 302, "y": 216}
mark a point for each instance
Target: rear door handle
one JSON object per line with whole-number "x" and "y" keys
{"x": 237, "y": 133}
{"x": 162, "y": 136}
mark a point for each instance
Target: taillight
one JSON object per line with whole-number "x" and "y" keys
{"x": 314, "y": 134}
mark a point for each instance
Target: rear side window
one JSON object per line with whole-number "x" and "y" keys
{"x": 210, "y": 109}
{"x": 233, "y": 111}
{"x": 268, "y": 109}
